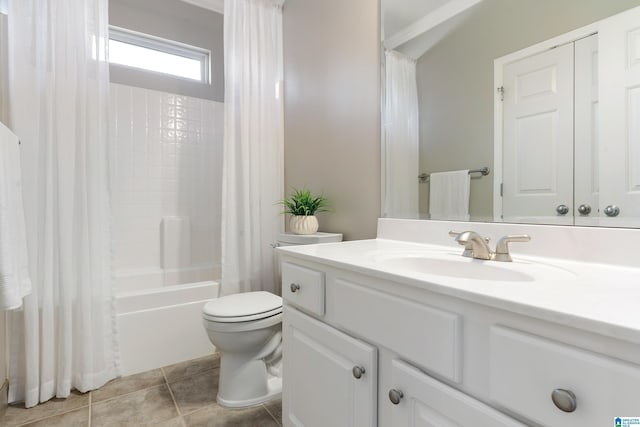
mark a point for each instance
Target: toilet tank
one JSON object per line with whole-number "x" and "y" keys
{"x": 290, "y": 239}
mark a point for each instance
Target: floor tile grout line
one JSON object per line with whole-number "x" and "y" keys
{"x": 50, "y": 416}
{"x": 173, "y": 398}
{"x": 90, "y": 408}
{"x": 272, "y": 416}
{"x": 186, "y": 376}
{"x": 130, "y": 392}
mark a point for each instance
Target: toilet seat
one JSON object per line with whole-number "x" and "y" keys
{"x": 244, "y": 307}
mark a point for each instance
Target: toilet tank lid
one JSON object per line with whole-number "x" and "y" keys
{"x": 309, "y": 239}
{"x": 244, "y": 304}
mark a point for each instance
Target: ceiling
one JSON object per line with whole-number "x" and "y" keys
{"x": 414, "y": 26}
{"x": 399, "y": 14}
{"x": 215, "y": 5}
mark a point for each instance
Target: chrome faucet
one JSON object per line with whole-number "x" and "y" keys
{"x": 477, "y": 247}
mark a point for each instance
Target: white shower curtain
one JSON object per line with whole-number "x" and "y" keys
{"x": 253, "y": 175}
{"x": 64, "y": 338}
{"x": 401, "y": 158}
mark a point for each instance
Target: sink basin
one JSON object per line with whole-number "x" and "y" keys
{"x": 456, "y": 266}
{"x": 467, "y": 268}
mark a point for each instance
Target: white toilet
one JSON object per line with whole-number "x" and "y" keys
{"x": 246, "y": 330}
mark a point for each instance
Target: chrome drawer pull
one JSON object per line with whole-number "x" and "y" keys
{"x": 564, "y": 400}
{"x": 294, "y": 287}
{"x": 395, "y": 396}
{"x": 358, "y": 371}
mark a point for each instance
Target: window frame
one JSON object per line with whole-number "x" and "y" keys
{"x": 163, "y": 45}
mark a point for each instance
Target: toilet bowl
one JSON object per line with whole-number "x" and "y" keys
{"x": 247, "y": 332}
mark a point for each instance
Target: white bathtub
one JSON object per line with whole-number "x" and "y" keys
{"x": 162, "y": 326}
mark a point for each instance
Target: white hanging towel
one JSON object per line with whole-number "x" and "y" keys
{"x": 14, "y": 276}
{"x": 449, "y": 195}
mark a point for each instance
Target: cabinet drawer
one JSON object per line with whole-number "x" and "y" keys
{"x": 428, "y": 402}
{"x": 525, "y": 369}
{"x": 427, "y": 336}
{"x": 303, "y": 287}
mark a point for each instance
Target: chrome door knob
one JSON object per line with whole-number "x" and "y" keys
{"x": 562, "y": 209}
{"x": 564, "y": 400}
{"x": 395, "y": 396}
{"x": 611, "y": 210}
{"x": 584, "y": 209}
{"x": 358, "y": 372}
{"x": 294, "y": 287}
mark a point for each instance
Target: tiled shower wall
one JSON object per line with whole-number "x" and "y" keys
{"x": 166, "y": 163}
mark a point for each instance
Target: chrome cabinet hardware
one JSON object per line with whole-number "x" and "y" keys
{"x": 564, "y": 400}
{"x": 502, "y": 248}
{"x": 358, "y": 372}
{"x": 562, "y": 209}
{"x": 611, "y": 210}
{"x": 584, "y": 209}
{"x": 395, "y": 396}
{"x": 294, "y": 287}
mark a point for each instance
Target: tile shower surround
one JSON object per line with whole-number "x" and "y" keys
{"x": 167, "y": 152}
{"x": 180, "y": 395}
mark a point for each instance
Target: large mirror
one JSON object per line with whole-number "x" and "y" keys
{"x": 532, "y": 100}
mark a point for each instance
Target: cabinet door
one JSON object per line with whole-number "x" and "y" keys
{"x": 538, "y": 137}
{"x": 426, "y": 402}
{"x": 587, "y": 177}
{"x": 320, "y": 387}
{"x": 619, "y": 38}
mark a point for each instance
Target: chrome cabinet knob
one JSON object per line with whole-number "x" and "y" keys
{"x": 358, "y": 372}
{"x": 395, "y": 396}
{"x": 294, "y": 287}
{"x": 584, "y": 209}
{"x": 564, "y": 400}
{"x": 562, "y": 209}
{"x": 611, "y": 210}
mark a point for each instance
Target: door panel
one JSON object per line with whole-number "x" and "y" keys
{"x": 587, "y": 175}
{"x": 538, "y": 137}
{"x": 619, "y": 40}
{"x": 319, "y": 387}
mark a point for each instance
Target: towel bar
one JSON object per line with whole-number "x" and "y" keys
{"x": 424, "y": 177}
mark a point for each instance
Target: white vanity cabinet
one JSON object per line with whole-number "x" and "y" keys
{"x": 364, "y": 350}
{"x": 332, "y": 377}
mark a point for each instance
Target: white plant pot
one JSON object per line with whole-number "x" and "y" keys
{"x": 303, "y": 224}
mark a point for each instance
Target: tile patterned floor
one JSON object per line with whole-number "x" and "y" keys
{"x": 181, "y": 395}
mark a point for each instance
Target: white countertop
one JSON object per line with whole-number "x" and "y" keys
{"x": 601, "y": 298}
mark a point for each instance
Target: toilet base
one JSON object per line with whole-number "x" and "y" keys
{"x": 274, "y": 391}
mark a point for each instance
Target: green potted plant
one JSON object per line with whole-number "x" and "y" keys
{"x": 302, "y": 206}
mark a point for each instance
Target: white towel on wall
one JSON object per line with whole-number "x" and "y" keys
{"x": 449, "y": 195}
{"x": 14, "y": 276}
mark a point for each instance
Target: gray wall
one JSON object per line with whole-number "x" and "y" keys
{"x": 332, "y": 108}
{"x": 455, "y": 81}
{"x": 173, "y": 20}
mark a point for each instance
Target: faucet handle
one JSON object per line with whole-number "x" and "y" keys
{"x": 502, "y": 247}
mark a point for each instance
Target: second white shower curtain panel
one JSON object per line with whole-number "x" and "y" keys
{"x": 401, "y": 152}
{"x": 253, "y": 177}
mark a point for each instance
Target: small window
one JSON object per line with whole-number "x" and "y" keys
{"x": 150, "y": 53}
